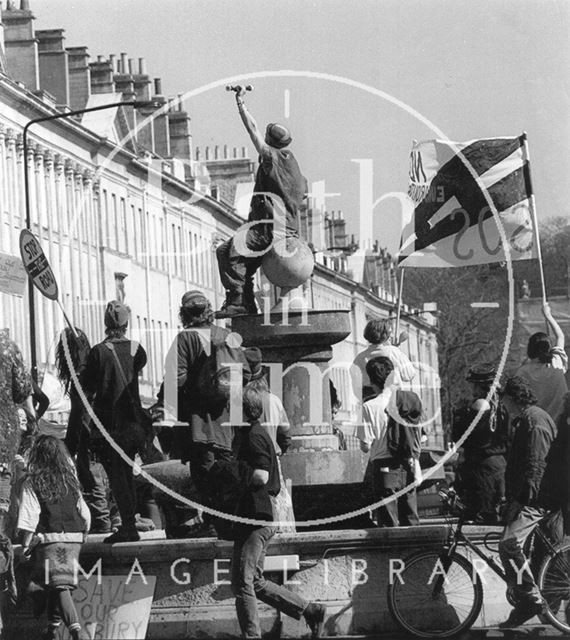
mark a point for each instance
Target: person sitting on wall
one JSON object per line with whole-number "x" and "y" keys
{"x": 260, "y": 473}
{"x": 279, "y": 190}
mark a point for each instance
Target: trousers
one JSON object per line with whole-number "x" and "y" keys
{"x": 402, "y": 511}
{"x": 237, "y": 270}
{"x": 249, "y": 584}
{"x": 517, "y": 569}
{"x": 121, "y": 481}
{"x": 93, "y": 485}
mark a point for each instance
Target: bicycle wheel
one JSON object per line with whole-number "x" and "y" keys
{"x": 431, "y": 602}
{"x": 554, "y": 584}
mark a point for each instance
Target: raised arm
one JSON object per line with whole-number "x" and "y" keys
{"x": 249, "y": 123}
{"x": 556, "y": 330}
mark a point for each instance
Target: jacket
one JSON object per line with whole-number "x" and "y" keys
{"x": 534, "y": 435}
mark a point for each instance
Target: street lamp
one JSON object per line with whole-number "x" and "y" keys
{"x": 57, "y": 116}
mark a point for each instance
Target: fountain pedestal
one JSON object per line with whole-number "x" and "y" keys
{"x": 299, "y": 345}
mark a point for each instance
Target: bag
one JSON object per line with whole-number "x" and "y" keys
{"x": 402, "y": 442}
{"x": 216, "y": 373}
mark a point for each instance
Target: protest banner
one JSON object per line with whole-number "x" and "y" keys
{"x": 113, "y": 606}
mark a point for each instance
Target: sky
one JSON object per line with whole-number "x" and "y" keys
{"x": 366, "y": 78}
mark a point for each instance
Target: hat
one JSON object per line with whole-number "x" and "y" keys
{"x": 277, "y": 136}
{"x": 193, "y": 299}
{"x": 484, "y": 372}
{"x": 116, "y": 315}
{"x": 254, "y": 359}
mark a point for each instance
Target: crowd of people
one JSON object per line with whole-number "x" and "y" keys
{"x": 53, "y": 491}
{"x": 84, "y": 481}
{"x": 514, "y": 470}
{"x": 515, "y": 467}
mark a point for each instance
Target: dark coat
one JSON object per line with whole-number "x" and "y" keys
{"x": 530, "y": 452}
{"x": 114, "y": 381}
{"x": 556, "y": 483}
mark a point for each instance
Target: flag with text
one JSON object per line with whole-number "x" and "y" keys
{"x": 453, "y": 224}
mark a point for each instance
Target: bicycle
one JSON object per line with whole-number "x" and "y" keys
{"x": 439, "y": 594}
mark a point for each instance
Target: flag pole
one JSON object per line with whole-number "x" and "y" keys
{"x": 534, "y": 217}
{"x": 399, "y": 303}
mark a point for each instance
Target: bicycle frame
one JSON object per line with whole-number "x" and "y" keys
{"x": 457, "y": 537}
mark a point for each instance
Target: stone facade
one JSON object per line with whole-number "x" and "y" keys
{"x": 131, "y": 213}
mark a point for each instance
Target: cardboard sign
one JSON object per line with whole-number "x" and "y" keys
{"x": 113, "y": 609}
{"x": 13, "y": 276}
{"x": 37, "y": 265}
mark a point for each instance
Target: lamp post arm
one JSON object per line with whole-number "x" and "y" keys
{"x": 55, "y": 116}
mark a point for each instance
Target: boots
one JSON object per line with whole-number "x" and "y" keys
{"x": 233, "y": 306}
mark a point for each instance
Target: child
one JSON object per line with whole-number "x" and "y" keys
{"x": 52, "y": 508}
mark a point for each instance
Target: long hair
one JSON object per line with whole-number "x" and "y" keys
{"x": 78, "y": 350}
{"x": 51, "y": 470}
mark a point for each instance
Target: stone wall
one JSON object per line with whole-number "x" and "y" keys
{"x": 348, "y": 570}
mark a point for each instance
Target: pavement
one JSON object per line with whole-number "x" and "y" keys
{"x": 528, "y": 632}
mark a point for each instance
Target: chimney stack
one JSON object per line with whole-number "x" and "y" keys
{"x": 53, "y": 64}
{"x": 180, "y": 136}
{"x": 160, "y": 124}
{"x": 101, "y": 76}
{"x": 21, "y": 47}
{"x": 79, "y": 77}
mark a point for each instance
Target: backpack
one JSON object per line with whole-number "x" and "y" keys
{"x": 214, "y": 377}
{"x": 403, "y": 441}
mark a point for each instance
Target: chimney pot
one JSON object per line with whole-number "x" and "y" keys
{"x": 113, "y": 61}
{"x": 25, "y": 5}
{"x": 123, "y": 68}
{"x": 142, "y": 67}
{"x": 235, "y": 152}
{"x": 225, "y": 152}
{"x": 99, "y": 58}
{"x": 243, "y": 152}
{"x": 197, "y": 154}
{"x": 131, "y": 66}
{"x": 207, "y": 156}
{"x": 157, "y": 87}
{"x": 216, "y": 151}
{"x": 180, "y": 103}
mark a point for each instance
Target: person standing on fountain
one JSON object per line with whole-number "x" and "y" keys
{"x": 279, "y": 191}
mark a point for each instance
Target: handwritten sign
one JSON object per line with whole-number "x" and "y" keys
{"x": 37, "y": 265}
{"x": 13, "y": 276}
{"x": 114, "y": 608}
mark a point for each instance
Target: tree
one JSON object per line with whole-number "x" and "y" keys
{"x": 469, "y": 335}
{"x": 466, "y": 334}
